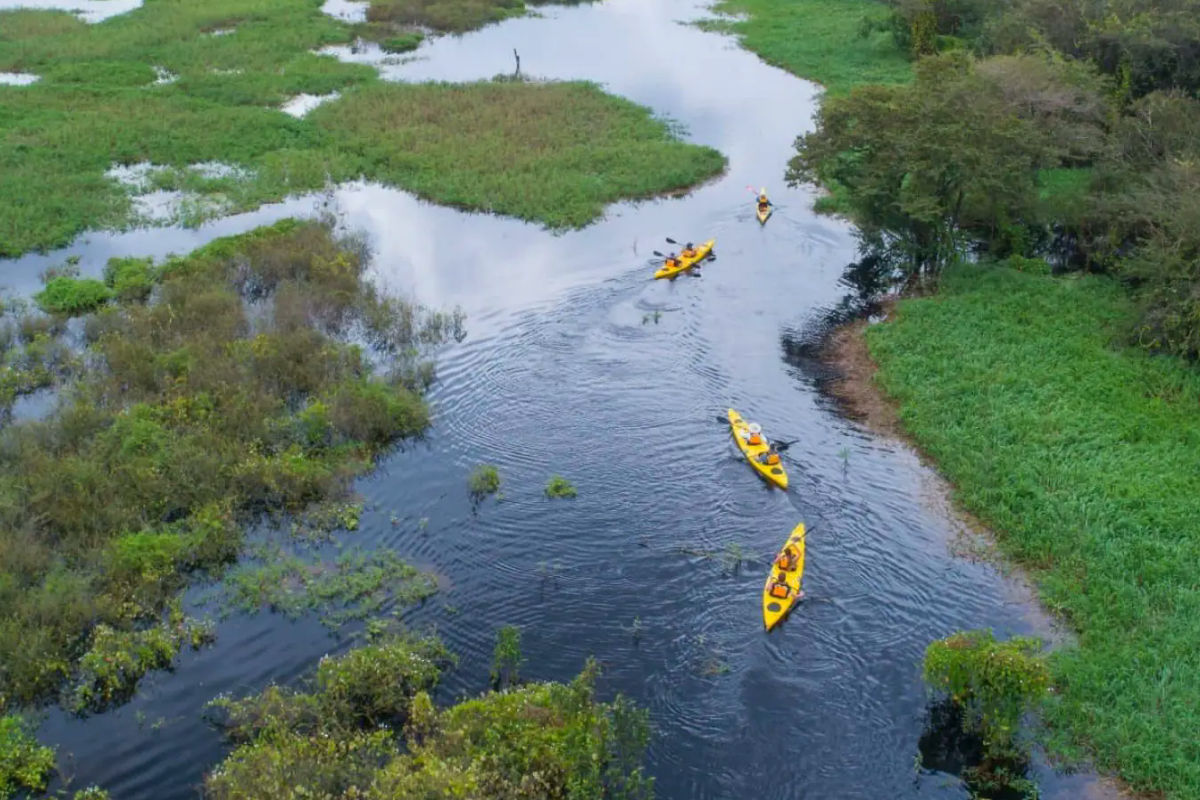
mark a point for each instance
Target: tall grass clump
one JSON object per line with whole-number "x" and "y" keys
{"x": 558, "y": 486}
{"x": 368, "y": 720}
{"x": 187, "y": 421}
{"x": 483, "y": 480}
{"x": 1083, "y": 456}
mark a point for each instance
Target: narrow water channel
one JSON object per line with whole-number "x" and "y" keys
{"x": 578, "y": 364}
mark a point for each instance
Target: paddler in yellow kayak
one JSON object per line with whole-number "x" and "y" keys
{"x": 770, "y": 457}
{"x": 688, "y": 252}
{"x": 763, "y": 202}
{"x": 787, "y": 562}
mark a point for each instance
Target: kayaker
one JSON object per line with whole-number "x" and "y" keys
{"x": 755, "y": 439}
{"x": 689, "y": 251}
{"x": 779, "y": 587}
{"x": 787, "y": 559}
{"x": 770, "y": 457}
{"x": 671, "y": 260}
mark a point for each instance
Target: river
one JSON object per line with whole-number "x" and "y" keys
{"x": 577, "y": 363}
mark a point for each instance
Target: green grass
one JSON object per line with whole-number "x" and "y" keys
{"x": 555, "y": 153}
{"x": 1085, "y": 458}
{"x": 72, "y": 296}
{"x": 819, "y": 40}
{"x": 97, "y": 105}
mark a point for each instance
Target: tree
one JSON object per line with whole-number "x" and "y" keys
{"x": 922, "y": 162}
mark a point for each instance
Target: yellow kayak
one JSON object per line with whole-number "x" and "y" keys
{"x": 741, "y": 434}
{"x": 763, "y": 213}
{"x": 777, "y": 601}
{"x": 682, "y": 264}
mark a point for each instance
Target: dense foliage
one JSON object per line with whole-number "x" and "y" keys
{"x": 232, "y": 391}
{"x": 24, "y": 764}
{"x": 1058, "y": 128}
{"x": 369, "y": 729}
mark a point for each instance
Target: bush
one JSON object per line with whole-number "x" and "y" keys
{"x": 536, "y": 741}
{"x": 560, "y": 487}
{"x": 994, "y": 682}
{"x": 131, "y": 279}
{"x": 506, "y": 657}
{"x": 484, "y": 479}
{"x": 24, "y": 764}
{"x": 72, "y": 296}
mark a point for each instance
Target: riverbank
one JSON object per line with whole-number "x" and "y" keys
{"x": 1080, "y": 455}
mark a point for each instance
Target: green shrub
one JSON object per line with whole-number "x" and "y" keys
{"x": 506, "y": 657}
{"x": 374, "y": 685}
{"x": 484, "y": 479}
{"x": 560, "y": 487}
{"x": 131, "y": 279}
{"x": 376, "y": 413}
{"x": 72, "y": 296}
{"x": 535, "y": 741}
{"x": 994, "y": 682}
{"x": 24, "y": 764}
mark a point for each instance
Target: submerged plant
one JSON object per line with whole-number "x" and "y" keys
{"x": 484, "y": 480}
{"x": 355, "y": 586}
{"x": 109, "y": 671}
{"x": 558, "y": 486}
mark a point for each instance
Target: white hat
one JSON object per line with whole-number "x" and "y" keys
{"x": 754, "y": 427}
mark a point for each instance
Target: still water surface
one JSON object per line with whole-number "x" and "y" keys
{"x": 578, "y": 364}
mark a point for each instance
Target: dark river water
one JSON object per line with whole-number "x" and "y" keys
{"x": 569, "y": 369}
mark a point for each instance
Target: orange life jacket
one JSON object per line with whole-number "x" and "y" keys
{"x": 779, "y": 590}
{"x": 773, "y": 458}
{"x": 755, "y": 439}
